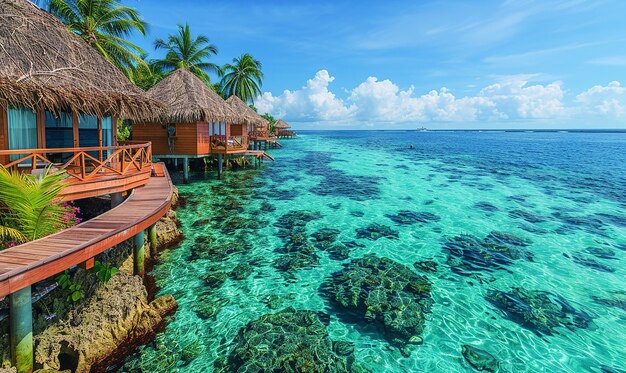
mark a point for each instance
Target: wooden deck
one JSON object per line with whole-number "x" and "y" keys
{"x": 34, "y": 261}
{"x": 258, "y": 154}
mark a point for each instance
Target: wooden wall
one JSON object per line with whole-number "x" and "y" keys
{"x": 191, "y": 138}
{"x": 4, "y": 131}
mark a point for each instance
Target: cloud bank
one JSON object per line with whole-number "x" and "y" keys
{"x": 512, "y": 98}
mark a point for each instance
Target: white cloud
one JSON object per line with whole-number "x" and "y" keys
{"x": 313, "y": 102}
{"x": 606, "y": 100}
{"x": 511, "y": 98}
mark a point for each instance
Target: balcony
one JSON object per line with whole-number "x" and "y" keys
{"x": 259, "y": 135}
{"x": 91, "y": 171}
{"x": 228, "y": 144}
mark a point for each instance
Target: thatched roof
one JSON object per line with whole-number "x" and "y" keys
{"x": 240, "y": 107}
{"x": 188, "y": 99}
{"x": 44, "y": 65}
{"x": 281, "y": 124}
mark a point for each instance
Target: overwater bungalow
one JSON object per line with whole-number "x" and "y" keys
{"x": 281, "y": 129}
{"x": 59, "y": 104}
{"x": 257, "y": 126}
{"x": 196, "y": 123}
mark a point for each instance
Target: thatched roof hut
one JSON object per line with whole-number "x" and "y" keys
{"x": 188, "y": 99}
{"x": 281, "y": 125}
{"x": 45, "y": 66}
{"x": 240, "y": 107}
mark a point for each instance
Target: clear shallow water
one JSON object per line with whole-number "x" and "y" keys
{"x": 562, "y": 194}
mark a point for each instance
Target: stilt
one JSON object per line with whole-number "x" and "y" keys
{"x": 220, "y": 158}
{"x": 152, "y": 237}
{"x": 116, "y": 199}
{"x": 138, "y": 254}
{"x": 175, "y": 163}
{"x": 21, "y": 320}
{"x": 186, "y": 170}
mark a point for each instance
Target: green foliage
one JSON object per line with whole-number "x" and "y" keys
{"x": 183, "y": 51}
{"x": 29, "y": 204}
{"x": 104, "y": 24}
{"x": 123, "y": 130}
{"x": 147, "y": 74}
{"x": 243, "y": 78}
{"x": 105, "y": 271}
{"x": 270, "y": 119}
{"x": 73, "y": 290}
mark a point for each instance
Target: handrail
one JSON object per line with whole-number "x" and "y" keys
{"x": 222, "y": 142}
{"x": 82, "y": 166}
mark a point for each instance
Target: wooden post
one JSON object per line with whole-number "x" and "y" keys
{"x": 186, "y": 170}
{"x": 220, "y": 158}
{"x": 116, "y": 199}
{"x": 75, "y": 130}
{"x": 100, "y": 138}
{"x": 41, "y": 128}
{"x": 4, "y": 131}
{"x": 138, "y": 254}
{"x": 152, "y": 237}
{"x": 21, "y": 330}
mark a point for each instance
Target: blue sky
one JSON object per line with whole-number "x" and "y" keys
{"x": 438, "y": 64}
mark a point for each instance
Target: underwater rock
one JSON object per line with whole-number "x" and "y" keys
{"x": 207, "y": 309}
{"x": 191, "y": 352}
{"x": 215, "y": 279}
{"x": 168, "y": 231}
{"x": 295, "y": 261}
{"x": 380, "y": 290}
{"x": 467, "y": 253}
{"x": 326, "y": 234}
{"x": 406, "y": 217}
{"x": 241, "y": 271}
{"x": 527, "y": 216}
{"x": 601, "y": 252}
{"x": 480, "y": 360}
{"x": 426, "y": 266}
{"x": 297, "y": 218}
{"x": 239, "y": 222}
{"x": 588, "y": 262}
{"x": 539, "y": 311}
{"x": 218, "y": 249}
{"x": 357, "y": 214}
{"x": 113, "y": 322}
{"x": 267, "y": 207}
{"x": 376, "y": 231}
{"x": 617, "y": 300}
{"x": 486, "y": 206}
{"x": 338, "y": 251}
{"x": 200, "y": 223}
{"x": 288, "y": 341}
{"x": 335, "y": 206}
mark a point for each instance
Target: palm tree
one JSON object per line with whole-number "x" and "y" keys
{"x": 243, "y": 78}
{"x": 147, "y": 74}
{"x": 103, "y": 24}
{"x": 185, "y": 51}
{"x": 29, "y": 205}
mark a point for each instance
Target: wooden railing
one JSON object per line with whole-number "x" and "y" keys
{"x": 284, "y": 133}
{"x": 83, "y": 164}
{"x": 258, "y": 135}
{"x": 230, "y": 143}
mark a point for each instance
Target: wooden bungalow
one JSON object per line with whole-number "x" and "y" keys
{"x": 59, "y": 104}
{"x": 257, "y": 126}
{"x": 196, "y": 123}
{"x": 281, "y": 129}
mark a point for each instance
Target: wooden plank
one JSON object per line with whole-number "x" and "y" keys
{"x": 47, "y": 257}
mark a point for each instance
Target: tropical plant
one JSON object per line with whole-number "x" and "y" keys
{"x": 29, "y": 205}
{"x": 105, "y": 271}
{"x": 73, "y": 290}
{"x": 147, "y": 74}
{"x": 243, "y": 78}
{"x": 183, "y": 51}
{"x": 123, "y": 130}
{"x": 104, "y": 24}
{"x": 270, "y": 119}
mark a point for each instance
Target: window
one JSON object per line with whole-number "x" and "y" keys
{"x": 22, "y": 130}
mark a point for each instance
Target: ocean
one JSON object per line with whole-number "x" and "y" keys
{"x": 493, "y": 250}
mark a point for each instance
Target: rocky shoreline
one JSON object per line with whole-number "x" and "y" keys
{"x": 112, "y": 319}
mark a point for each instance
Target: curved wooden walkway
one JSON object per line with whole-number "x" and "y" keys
{"x": 26, "y": 264}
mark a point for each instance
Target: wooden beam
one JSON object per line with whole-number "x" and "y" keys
{"x": 114, "y": 130}
{"x": 41, "y": 128}
{"x": 100, "y": 137}
{"x": 4, "y": 131}
{"x": 75, "y": 131}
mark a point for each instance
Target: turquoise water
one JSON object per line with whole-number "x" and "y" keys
{"x": 554, "y": 202}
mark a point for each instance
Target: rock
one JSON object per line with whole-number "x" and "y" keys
{"x": 426, "y": 266}
{"x": 113, "y": 322}
{"x": 382, "y": 291}
{"x": 241, "y": 271}
{"x": 480, "y": 359}
{"x": 376, "y": 231}
{"x": 288, "y": 341}
{"x": 406, "y": 217}
{"x": 168, "y": 231}
{"x": 539, "y": 311}
{"x": 215, "y": 279}
{"x": 618, "y": 300}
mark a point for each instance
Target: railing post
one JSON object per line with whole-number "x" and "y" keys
{"x": 21, "y": 329}
{"x": 220, "y": 158}
{"x": 152, "y": 237}
{"x": 186, "y": 170}
{"x": 138, "y": 254}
